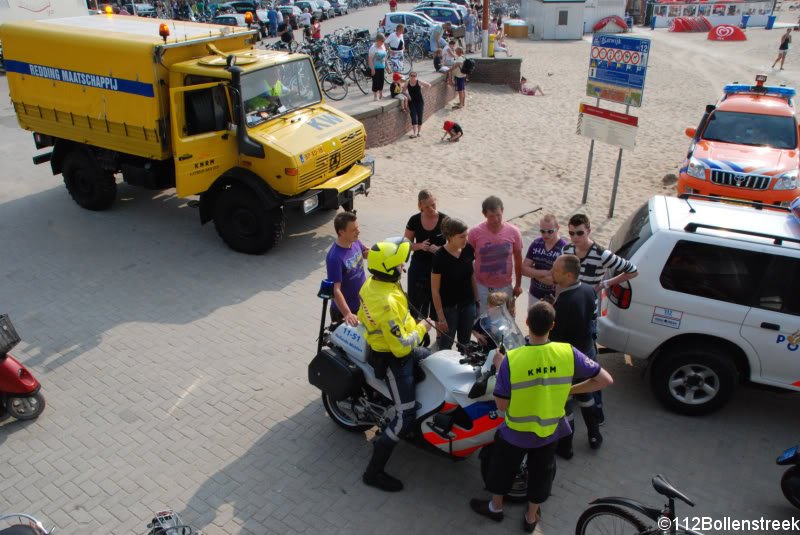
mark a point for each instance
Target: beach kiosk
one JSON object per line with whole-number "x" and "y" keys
{"x": 554, "y": 19}
{"x": 717, "y": 12}
{"x": 567, "y": 19}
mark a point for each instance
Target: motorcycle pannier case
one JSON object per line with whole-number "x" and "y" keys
{"x": 332, "y": 373}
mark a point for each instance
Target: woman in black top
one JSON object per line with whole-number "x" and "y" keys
{"x": 416, "y": 105}
{"x": 453, "y": 285}
{"x": 424, "y": 230}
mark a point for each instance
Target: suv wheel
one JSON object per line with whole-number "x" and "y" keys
{"x": 693, "y": 381}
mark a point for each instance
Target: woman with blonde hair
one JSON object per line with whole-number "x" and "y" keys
{"x": 424, "y": 231}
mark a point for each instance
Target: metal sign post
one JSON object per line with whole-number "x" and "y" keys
{"x": 588, "y": 163}
{"x": 616, "y": 178}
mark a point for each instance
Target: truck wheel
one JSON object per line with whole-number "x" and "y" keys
{"x": 693, "y": 380}
{"x": 88, "y": 185}
{"x": 244, "y": 223}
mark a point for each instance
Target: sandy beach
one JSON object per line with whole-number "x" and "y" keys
{"x": 526, "y": 150}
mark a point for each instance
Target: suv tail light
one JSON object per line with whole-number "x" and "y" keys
{"x": 620, "y": 295}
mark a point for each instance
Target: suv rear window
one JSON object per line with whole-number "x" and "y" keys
{"x": 633, "y": 233}
{"x": 720, "y": 273}
{"x": 752, "y": 129}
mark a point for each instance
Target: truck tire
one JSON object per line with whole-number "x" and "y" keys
{"x": 244, "y": 223}
{"x": 694, "y": 380}
{"x": 87, "y": 183}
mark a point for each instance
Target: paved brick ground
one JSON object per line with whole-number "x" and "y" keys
{"x": 175, "y": 374}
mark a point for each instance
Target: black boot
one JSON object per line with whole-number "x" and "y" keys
{"x": 592, "y": 427}
{"x": 374, "y": 475}
{"x": 564, "y": 448}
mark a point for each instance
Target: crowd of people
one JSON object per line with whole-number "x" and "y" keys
{"x": 455, "y": 275}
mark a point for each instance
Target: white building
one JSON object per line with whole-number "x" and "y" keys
{"x": 567, "y": 19}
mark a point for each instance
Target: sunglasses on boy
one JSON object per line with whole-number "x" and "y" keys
{"x": 547, "y": 230}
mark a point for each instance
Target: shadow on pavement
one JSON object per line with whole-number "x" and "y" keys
{"x": 158, "y": 265}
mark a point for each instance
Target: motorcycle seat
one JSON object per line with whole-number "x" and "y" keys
{"x": 664, "y": 487}
{"x": 19, "y": 530}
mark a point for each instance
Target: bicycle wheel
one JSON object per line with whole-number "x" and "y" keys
{"x": 406, "y": 66}
{"x": 361, "y": 77}
{"x": 608, "y": 519}
{"x": 334, "y": 86}
{"x": 415, "y": 52}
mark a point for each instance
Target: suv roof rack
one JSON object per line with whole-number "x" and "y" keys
{"x": 754, "y": 204}
{"x": 777, "y": 240}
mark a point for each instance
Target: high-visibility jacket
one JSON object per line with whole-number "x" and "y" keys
{"x": 274, "y": 90}
{"x": 541, "y": 377}
{"x": 384, "y": 314}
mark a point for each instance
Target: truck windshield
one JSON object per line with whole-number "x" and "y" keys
{"x": 270, "y": 92}
{"x": 752, "y": 129}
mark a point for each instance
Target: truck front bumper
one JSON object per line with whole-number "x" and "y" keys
{"x": 339, "y": 190}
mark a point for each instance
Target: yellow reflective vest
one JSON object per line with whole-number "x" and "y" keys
{"x": 384, "y": 313}
{"x": 541, "y": 377}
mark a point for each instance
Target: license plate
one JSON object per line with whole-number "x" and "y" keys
{"x": 788, "y": 454}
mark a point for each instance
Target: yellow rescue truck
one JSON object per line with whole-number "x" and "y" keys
{"x": 196, "y": 107}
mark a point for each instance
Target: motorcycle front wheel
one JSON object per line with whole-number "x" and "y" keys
{"x": 519, "y": 489}
{"x": 343, "y": 414}
{"x": 790, "y": 485}
{"x": 25, "y": 408}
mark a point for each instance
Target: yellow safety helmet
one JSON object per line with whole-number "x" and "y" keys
{"x": 386, "y": 257}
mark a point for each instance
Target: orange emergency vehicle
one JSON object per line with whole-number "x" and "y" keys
{"x": 746, "y": 147}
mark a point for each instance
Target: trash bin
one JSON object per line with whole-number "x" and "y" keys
{"x": 745, "y": 19}
{"x": 490, "y": 50}
{"x": 653, "y": 22}
{"x": 770, "y": 22}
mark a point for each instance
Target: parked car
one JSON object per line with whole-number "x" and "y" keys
{"x": 462, "y": 9}
{"x": 391, "y": 20}
{"x": 248, "y": 6}
{"x": 230, "y": 19}
{"x": 142, "y": 10}
{"x": 340, "y": 7}
{"x": 311, "y": 6}
{"x": 327, "y": 9}
{"x": 716, "y": 302}
{"x": 746, "y": 146}
{"x": 442, "y": 14}
{"x": 292, "y": 12}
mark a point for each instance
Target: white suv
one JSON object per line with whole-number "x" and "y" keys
{"x": 717, "y": 299}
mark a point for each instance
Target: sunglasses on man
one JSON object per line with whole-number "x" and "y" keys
{"x": 577, "y": 232}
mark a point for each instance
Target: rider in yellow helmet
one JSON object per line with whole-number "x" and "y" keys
{"x": 395, "y": 339}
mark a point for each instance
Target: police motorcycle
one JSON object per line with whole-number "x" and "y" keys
{"x": 456, "y": 412}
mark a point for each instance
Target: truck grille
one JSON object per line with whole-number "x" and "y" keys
{"x": 349, "y": 151}
{"x": 739, "y": 180}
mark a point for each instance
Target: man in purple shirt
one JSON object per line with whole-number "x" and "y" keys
{"x": 345, "y": 263}
{"x": 541, "y": 360}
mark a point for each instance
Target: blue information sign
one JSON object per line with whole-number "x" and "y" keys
{"x": 617, "y": 68}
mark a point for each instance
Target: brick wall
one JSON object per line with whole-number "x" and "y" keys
{"x": 387, "y": 123}
{"x": 497, "y": 71}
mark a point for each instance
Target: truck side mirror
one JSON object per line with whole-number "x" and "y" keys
{"x": 690, "y": 132}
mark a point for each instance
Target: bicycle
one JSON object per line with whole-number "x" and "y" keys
{"x": 613, "y": 514}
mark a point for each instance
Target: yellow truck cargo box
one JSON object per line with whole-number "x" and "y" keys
{"x": 103, "y": 80}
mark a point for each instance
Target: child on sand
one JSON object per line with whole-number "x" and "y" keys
{"x": 529, "y": 89}
{"x": 453, "y": 130}
{"x": 398, "y": 90}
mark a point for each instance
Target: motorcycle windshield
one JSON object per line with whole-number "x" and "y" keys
{"x": 501, "y": 328}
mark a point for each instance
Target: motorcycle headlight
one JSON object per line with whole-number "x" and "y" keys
{"x": 696, "y": 169}
{"x": 786, "y": 181}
